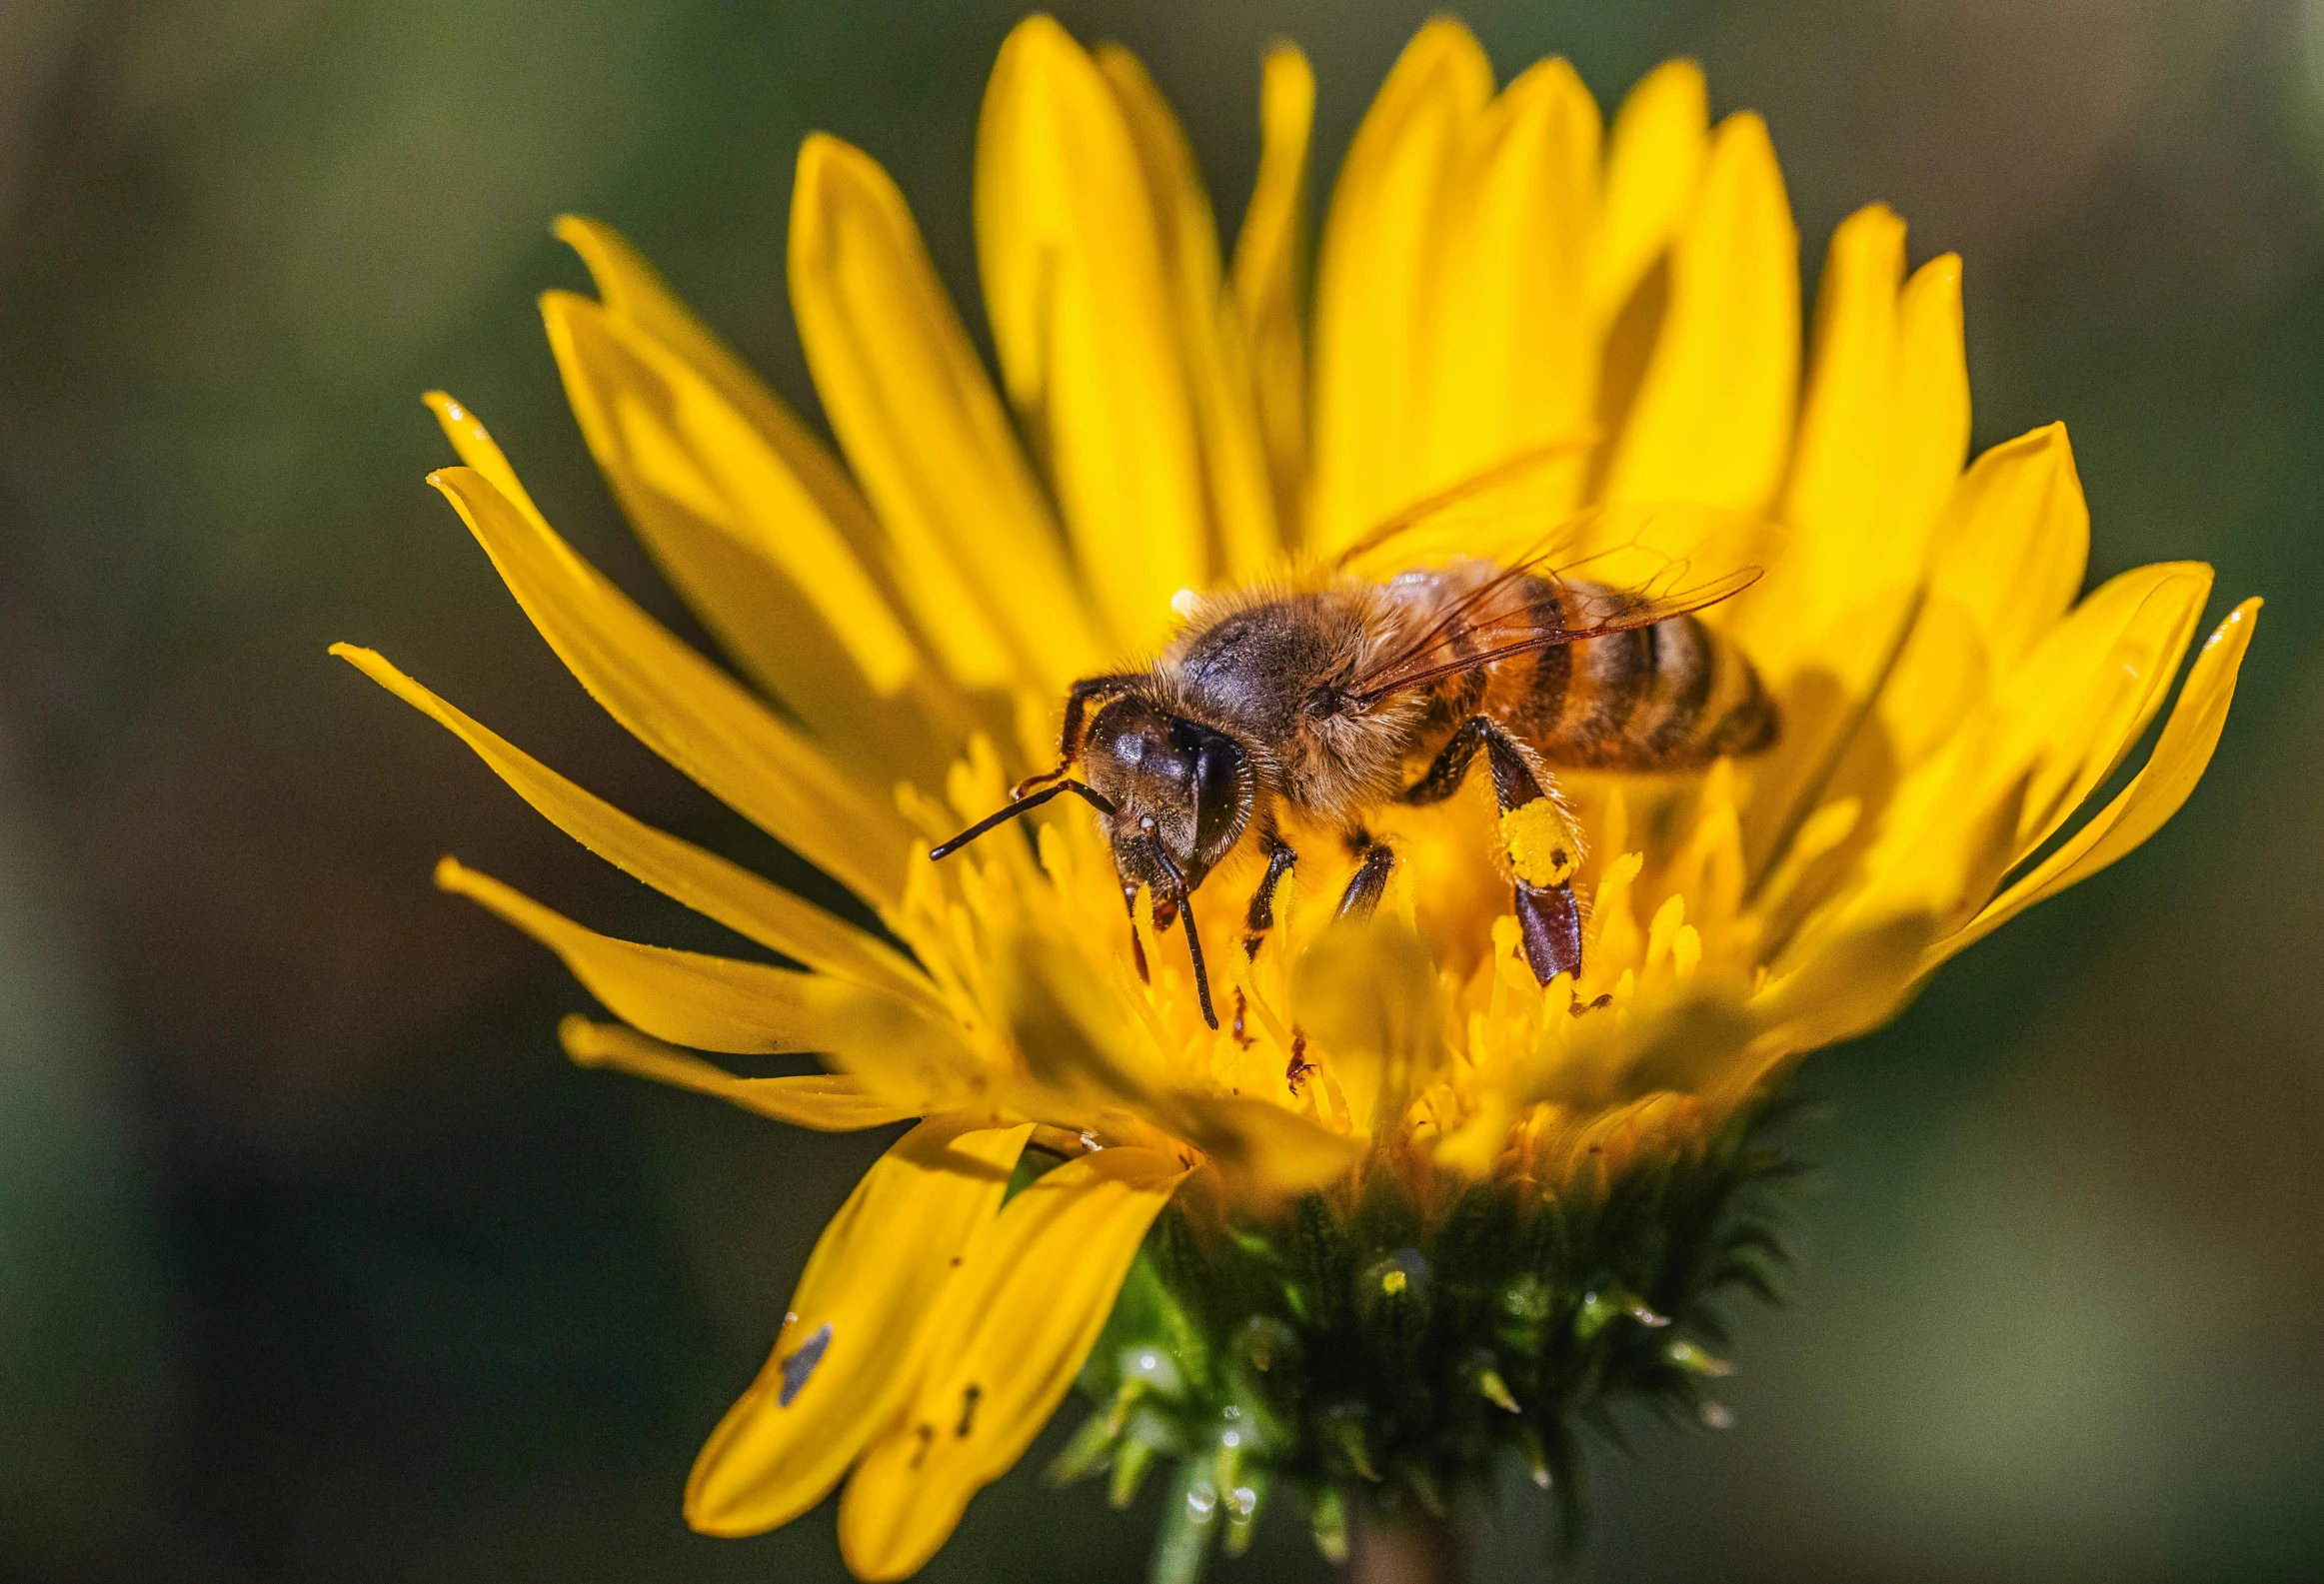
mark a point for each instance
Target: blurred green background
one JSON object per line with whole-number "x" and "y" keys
{"x": 317, "y": 1261}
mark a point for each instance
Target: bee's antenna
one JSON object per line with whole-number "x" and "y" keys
{"x": 1022, "y": 805}
{"x": 1185, "y": 903}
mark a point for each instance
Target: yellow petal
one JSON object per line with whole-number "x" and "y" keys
{"x": 707, "y": 1002}
{"x": 1654, "y": 160}
{"x": 2153, "y": 796}
{"x": 1269, "y": 271}
{"x": 829, "y": 1102}
{"x": 1373, "y": 284}
{"x": 1082, "y": 311}
{"x": 2013, "y": 542}
{"x": 839, "y": 1370}
{"x": 2006, "y": 557}
{"x": 914, "y": 1062}
{"x": 1854, "y": 532}
{"x": 476, "y": 448}
{"x": 2087, "y": 692}
{"x": 1259, "y": 1146}
{"x": 2037, "y": 745}
{"x": 741, "y": 536}
{"x": 1851, "y": 985}
{"x": 1242, "y": 538}
{"x": 1713, "y": 417}
{"x": 1008, "y": 1338}
{"x": 1075, "y": 1040}
{"x": 1686, "y": 1046}
{"x": 915, "y": 412}
{"x": 631, "y": 290}
{"x": 1512, "y": 360}
{"x": 681, "y": 705}
{"x": 701, "y": 880}
{"x": 1930, "y": 388}
{"x": 2032, "y": 751}
{"x": 1883, "y": 431}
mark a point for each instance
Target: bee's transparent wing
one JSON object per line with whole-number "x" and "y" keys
{"x": 1488, "y": 514}
{"x": 1608, "y": 572}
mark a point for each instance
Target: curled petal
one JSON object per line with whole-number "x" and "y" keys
{"x": 827, "y": 1102}
{"x": 844, "y": 1360}
{"x": 2088, "y": 690}
{"x": 1010, "y": 1334}
{"x": 687, "y": 997}
{"x": 909, "y": 1058}
{"x": 2153, "y": 796}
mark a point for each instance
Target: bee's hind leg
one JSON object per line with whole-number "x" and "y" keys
{"x": 1550, "y": 925}
{"x": 1542, "y": 847}
{"x": 1449, "y": 768}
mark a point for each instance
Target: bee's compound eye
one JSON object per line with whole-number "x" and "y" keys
{"x": 1219, "y": 808}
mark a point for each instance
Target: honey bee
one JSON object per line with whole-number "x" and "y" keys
{"x": 1319, "y": 696}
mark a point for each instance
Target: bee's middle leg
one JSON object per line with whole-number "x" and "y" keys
{"x": 1371, "y": 881}
{"x": 1262, "y": 917}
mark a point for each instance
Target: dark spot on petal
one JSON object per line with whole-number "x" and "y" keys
{"x": 927, "y": 1434}
{"x": 969, "y": 1398}
{"x": 801, "y": 1364}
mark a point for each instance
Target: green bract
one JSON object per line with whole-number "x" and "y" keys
{"x": 1354, "y": 1349}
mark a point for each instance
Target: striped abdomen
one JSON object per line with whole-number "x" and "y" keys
{"x": 1671, "y": 696}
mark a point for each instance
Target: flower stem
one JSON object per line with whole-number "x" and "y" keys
{"x": 1409, "y": 1547}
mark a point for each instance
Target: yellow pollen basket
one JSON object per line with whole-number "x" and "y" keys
{"x": 1543, "y": 848}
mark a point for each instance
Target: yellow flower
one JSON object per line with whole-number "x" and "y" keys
{"x": 1495, "y": 275}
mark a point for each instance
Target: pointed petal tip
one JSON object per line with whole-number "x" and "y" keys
{"x": 819, "y": 150}
{"x": 1677, "y": 73}
{"x": 1034, "y": 31}
{"x": 579, "y": 1038}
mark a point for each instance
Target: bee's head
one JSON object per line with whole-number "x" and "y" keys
{"x": 1181, "y": 795}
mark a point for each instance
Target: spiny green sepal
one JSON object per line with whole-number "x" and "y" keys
{"x": 1352, "y": 1349}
